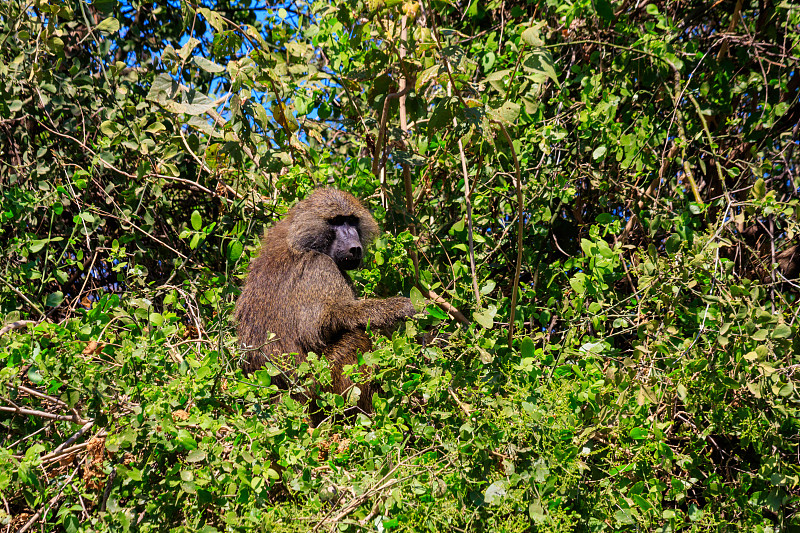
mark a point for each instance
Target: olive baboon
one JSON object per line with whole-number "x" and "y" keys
{"x": 297, "y": 289}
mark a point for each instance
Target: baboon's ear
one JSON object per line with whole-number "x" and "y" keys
{"x": 367, "y": 226}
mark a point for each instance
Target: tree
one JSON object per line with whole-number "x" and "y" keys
{"x": 597, "y": 202}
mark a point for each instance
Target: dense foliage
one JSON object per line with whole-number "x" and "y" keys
{"x": 596, "y": 202}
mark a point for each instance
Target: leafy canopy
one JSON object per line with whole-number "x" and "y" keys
{"x": 595, "y": 202}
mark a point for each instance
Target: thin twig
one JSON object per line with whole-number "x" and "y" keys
{"x": 378, "y": 155}
{"x": 464, "y": 407}
{"x": 57, "y": 401}
{"x": 53, "y": 457}
{"x": 17, "y": 325}
{"x": 18, "y": 293}
{"x": 8, "y": 512}
{"x": 407, "y": 185}
{"x": 42, "y": 414}
{"x": 75, "y": 436}
{"x": 444, "y": 305}
{"x": 85, "y": 279}
{"x": 518, "y": 268}
{"x": 468, "y": 202}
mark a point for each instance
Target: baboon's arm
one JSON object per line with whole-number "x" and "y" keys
{"x": 377, "y": 313}
{"x": 326, "y": 306}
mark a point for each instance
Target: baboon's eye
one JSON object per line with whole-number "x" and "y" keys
{"x": 341, "y": 220}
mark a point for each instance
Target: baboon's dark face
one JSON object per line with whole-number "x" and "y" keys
{"x": 345, "y": 249}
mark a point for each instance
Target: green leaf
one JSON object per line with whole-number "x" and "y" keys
{"x": 507, "y": 113}
{"x": 435, "y": 312}
{"x": 578, "y": 283}
{"x": 645, "y": 395}
{"x": 208, "y": 66}
{"x": 284, "y": 116}
{"x": 109, "y": 128}
{"x": 673, "y": 243}
{"x": 604, "y": 10}
{"x": 56, "y": 44}
{"x": 108, "y": 26}
{"x": 487, "y": 60}
{"x": 187, "y": 49}
{"x": 71, "y": 523}
{"x": 155, "y": 127}
{"x": 196, "y": 103}
{"x": 531, "y": 37}
{"x": 485, "y": 318}
{"x": 695, "y": 513}
{"x": 54, "y": 299}
{"x": 156, "y": 319}
{"x": 195, "y": 456}
{"x": 163, "y": 89}
{"x": 185, "y": 439}
{"x": 759, "y": 188}
{"x": 625, "y": 516}
{"x": 782, "y": 331}
{"x": 681, "y": 390}
{"x": 540, "y": 62}
{"x": 407, "y": 158}
{"x": 442, "y": 115}
{"x": 674, "y": 61}
{"x": 498, "y": 75}
{"x": 213, "y": 18}
{"x": 527, "y": 347}
{"x": 417, "y": 299}
{"x": 536, "y": 512}
{"x": 426, "y": 76}
{"x": 599, "y": 152}
{"x": 639, "y": 433}
{"x": 488, "y": 287}
{"x": 34, "y": 376}
{"x": 496, "y": 492}
{"x": 235, "y": 249}
{"x": 755, "y": 389}
{"x": 37, "y": 245}
{"x": 196, "y": 220}
{"x": 643, "y": 504}
{"x": 61, "y": 276}
{"x": 134, "y": 474}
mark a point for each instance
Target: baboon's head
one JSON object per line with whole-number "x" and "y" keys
{"x": 334, "y": 223}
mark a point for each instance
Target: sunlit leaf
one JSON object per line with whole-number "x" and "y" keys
{"x": 108, "y": 26}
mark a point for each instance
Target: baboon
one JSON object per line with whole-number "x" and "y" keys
{"x": 298, "y": 290}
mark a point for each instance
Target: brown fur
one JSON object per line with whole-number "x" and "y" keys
{"x": 297, "y": 292}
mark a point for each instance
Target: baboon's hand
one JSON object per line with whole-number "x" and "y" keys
{"x": 404, "y": 307}
{"x": 391, "y": 312}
